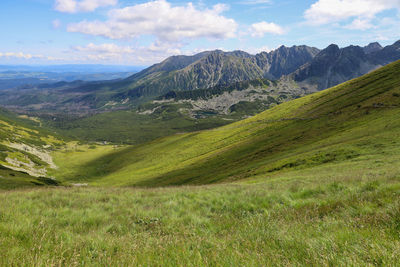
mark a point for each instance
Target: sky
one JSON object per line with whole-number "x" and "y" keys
{"x": 143, "y": 32}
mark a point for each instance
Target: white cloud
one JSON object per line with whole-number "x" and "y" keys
{"x": 256, "y": 50}
{"x": 329, "y": 11}
{"x": 22, "y": 55}
{"x": 110, "y": 52}
{"x": 261, "y": 28}
{"x": 263, "y": 49}
{"x": 74, "y": 6}
{"x": 161, "y": 19}
{"x": 104, "y": 48}
{"x": 360, "y": 24}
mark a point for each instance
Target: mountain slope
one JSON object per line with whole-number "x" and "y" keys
{"x": 372, "y": 47}
{"x": 387, "y": 54}
{"x": 25, "y": 152}
{"x": 310, "y": 66}
{"x": 170, "y": 64}
{"x": 334, "y": 65}
{"x": 178, "y": 73}
{"x": 346, "y": 123}
{"x": 285, "y": 60}
{"x": 310, "y": 69}
{"x": 217, "y": 67}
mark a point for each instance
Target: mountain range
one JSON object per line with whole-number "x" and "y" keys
{"x": 304, "y": 64}
{"x": 208, "y": 69}
{"x": 335, "y": 65}
{"x": 305, "y": 69}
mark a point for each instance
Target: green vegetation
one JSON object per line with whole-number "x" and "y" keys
{"x": 249, "y": 108}
{"x": 24, "y": 151}
{"x": 216, "y": 90}
{"x": 356, "y": 121}
{"x": 10, "y": 179}
{"x": 176, "y": 112}
{"x": 310, "y": 182}
{"x": 335, "y": 220}
{"x": 131, "y": 127}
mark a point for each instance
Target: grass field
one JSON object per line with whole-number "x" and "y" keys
{"x": 311, "y": 182}
{"x": 346, "y": 219}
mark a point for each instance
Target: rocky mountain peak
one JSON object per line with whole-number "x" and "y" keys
{"x": 397, "y": 43}
{"x": 372, "y": 47}
{"x": 331, "y": 49}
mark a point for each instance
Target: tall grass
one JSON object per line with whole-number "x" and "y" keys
{"x": 335, "y": 220}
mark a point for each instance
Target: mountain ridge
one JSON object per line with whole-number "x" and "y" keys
{"x": 211, "y": 68}
{"x": 334, "y": 65}
{"x": 304, "y": 69}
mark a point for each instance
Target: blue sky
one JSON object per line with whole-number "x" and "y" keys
{"x": 135, "y": 32}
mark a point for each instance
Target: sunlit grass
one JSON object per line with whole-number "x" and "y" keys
{"x": 315, "y": 221}
{"x": 347, "y": 122}
{"x": 312, "y": 182}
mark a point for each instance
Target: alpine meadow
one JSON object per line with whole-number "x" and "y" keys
{"x": 254, "y": 157}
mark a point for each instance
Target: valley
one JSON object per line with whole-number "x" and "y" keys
{"x": 287, "y": 137}
{"x": 184, "y": 94}
{"x": 253, "y": 169}
{"x": 333, "y": 125}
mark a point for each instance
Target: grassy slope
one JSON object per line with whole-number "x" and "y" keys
{"x": 355, "y": 122}
{"x": 349, "y": 221}
{"x": 322, "y": 191}
{"x": 10, "y": 179}
{"x": 16, "y": 130}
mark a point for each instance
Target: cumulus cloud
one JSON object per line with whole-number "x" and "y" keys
{"x": 363, "y": 11}
{"x": 261, "y": 28}
{"x": 74, "y": 6}
{"x": 161, "y": 19}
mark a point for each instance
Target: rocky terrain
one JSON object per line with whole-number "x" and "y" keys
{"x": 335, "y": 65}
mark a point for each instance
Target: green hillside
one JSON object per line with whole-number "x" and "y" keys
{"x": 311, "y": 182}
{"x": 354, "y": 124}
{"x": 25, "y": 152}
